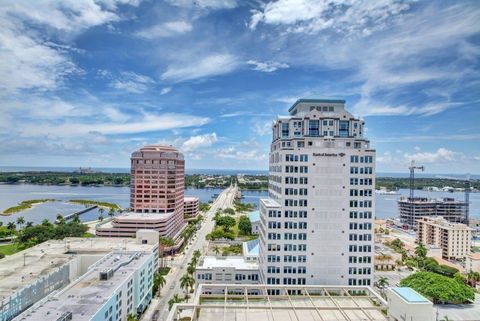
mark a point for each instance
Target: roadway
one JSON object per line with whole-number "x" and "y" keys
{"x": 179, "y": 265}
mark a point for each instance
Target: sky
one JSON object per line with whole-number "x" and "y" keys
{"x": 85, "y": 83}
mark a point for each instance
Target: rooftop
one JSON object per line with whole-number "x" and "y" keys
{"x": 254, "y": 216}
{"x": 439, "y": 221}
{"x": 238, "y": 262}
{"x": 410, "y": 295}
{"x": 251, "y": 248}
{"x": 85, "y": 296}
{"x": 190, "y": 198}
{"x": 268, "y": 202}
{"x": 25, "y": 267}
{"x": 316, "y": 101}
{"x": 252, "y": 302}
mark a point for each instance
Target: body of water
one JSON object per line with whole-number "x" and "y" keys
{"x": 10, "y": 195}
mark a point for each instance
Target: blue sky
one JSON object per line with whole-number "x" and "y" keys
{"x": 84, "y": 83}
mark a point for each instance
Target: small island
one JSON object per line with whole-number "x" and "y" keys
{"x": 101, "y": 204}
{"x": 24, "y": 205}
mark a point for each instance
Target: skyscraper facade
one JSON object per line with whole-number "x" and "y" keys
{"x": 156, "y": 195}
{"x": 316, "y": 225}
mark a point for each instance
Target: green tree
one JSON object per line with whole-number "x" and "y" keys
{"x": 216, "y": 249}
{"x": 158, "y": 282}
{"x": 76, "y": 218}
{"x": 244, "y": 225}
{"x": 197, "y": 254}
{"x": 187, "y": 282}
{"x": 226, "y": 222}
{"x": 229, "y": 211}
{"x": 20, "y": 220}
{"x": 191, "y": 269}
{"x": 420, "y": 255}
{"x": 29, "y": 224}
{"x": 173, "y": 300}
{"x": 11, "y": 226}
{"x": 101, "y": 210}
{"x": 111, "y": 212}
{"x": 382, "y": 283}
{"x": 60, "y": 219}
{"x": 132, "y": 317}
{"x": 100, "y": 217}
{"x": 439, "y": 288}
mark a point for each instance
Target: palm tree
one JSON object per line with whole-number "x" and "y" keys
{"x": 76, "y": 219}
{"x": 216, "y": 249}
{"x": 11, "y": 226}
{"x": 382, "y": 283}
{"x": 100, "y": 217}
{"x": 186, "y": 282}
{"x": 1, "y": 223}
{"x": 160, "y": 280}
{"x": 191, "y": 269}
{"x": 132, "y": 317}
{"x": 173, "y": 300}
{"x": 445, "y": 318}
{"x": 20, "y": 220}
{"x": 46, "y": 222}
{"x": 101, "y": 210}
{"x": 29, "y": 224}
{"x": 111, "y": 212}
{"x": 197, "y": 254}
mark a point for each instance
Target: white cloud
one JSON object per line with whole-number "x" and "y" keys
{"x": 441, "y": 155}
{"x": 167, "y": 29}
{"x": 28, "y": 56}
{"x": 165, "y": 90}
{"x": 199, "y": 142}
{"x": 213, "y": 65}
{"x": 262, "y": 129}
{"x": 205, "y": 4}
{"x": 132, "y": 82}
{"x": 267, "y": 66}
{"x": 247, "y": 154}
{"x": 312, "y": 16}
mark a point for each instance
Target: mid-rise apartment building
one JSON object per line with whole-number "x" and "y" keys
{"x": 191, "y": 208}
{"x": 455, "y": 239}
{"x": 316, "y": 226}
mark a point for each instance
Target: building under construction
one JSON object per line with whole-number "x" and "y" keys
{"x": 411, "y": 209}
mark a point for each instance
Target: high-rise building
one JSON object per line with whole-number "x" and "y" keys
{"x": 316, "y": 226}
{"x": 156, "y": 195}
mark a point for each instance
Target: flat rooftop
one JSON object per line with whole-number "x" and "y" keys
{"x": 269, "y": 202}
{"x": 254, "y": 216}
{"x": 251, "y": 302}
{"x": 251, "y": 248}
{"x": 25, "y": 267}
{"x": 410, "y": 295}
{"x": 238, "y": 262}
{"x": 85, "y": 296}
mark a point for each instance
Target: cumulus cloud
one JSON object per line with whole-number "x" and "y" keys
{"x": 267, "y": 66}
{"x": 167, "y": 29}
{"x": 440, "y": 155}
{"x": 165, "y": 90}
{"x": 213, "y": 65}
{"x": 199, "y": 142}
{"x": 32, "y": 59}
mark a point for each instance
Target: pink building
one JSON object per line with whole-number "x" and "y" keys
{"x": 156, "y": 195}
{"x": 191, "y": 208}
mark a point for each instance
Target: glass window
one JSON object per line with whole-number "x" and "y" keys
{"x": 313, "y": 128}
{"x": 285, "y": 132}
{"x": 343, "y": 128}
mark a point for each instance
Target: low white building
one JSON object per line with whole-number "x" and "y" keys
{"x": 405, "y": 304}
{"x": 226, "y": 270}
{"x": 472, "y": 263}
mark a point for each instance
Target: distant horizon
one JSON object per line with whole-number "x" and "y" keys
{"x": 229, "y": 171}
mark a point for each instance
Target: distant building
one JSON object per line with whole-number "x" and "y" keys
{"x": 156, "y": 195}
{"x": 255, "y": 220}
{"x": 317, "y": 225}
{"x": 30, "y": 275}
{"x": 411, "y": 210}
{"x": 117, "y": 285}
{"x": 191, "y": 208}
{"x": 454, "y": 239}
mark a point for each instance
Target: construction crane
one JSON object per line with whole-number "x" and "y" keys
{"x": 466, "y": 180}
{"x": 412, "y": 169}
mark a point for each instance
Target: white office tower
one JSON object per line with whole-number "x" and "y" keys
{"x": 316, "y": 227}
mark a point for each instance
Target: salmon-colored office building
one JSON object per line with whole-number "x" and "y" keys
{"x": 156, "y": 195}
